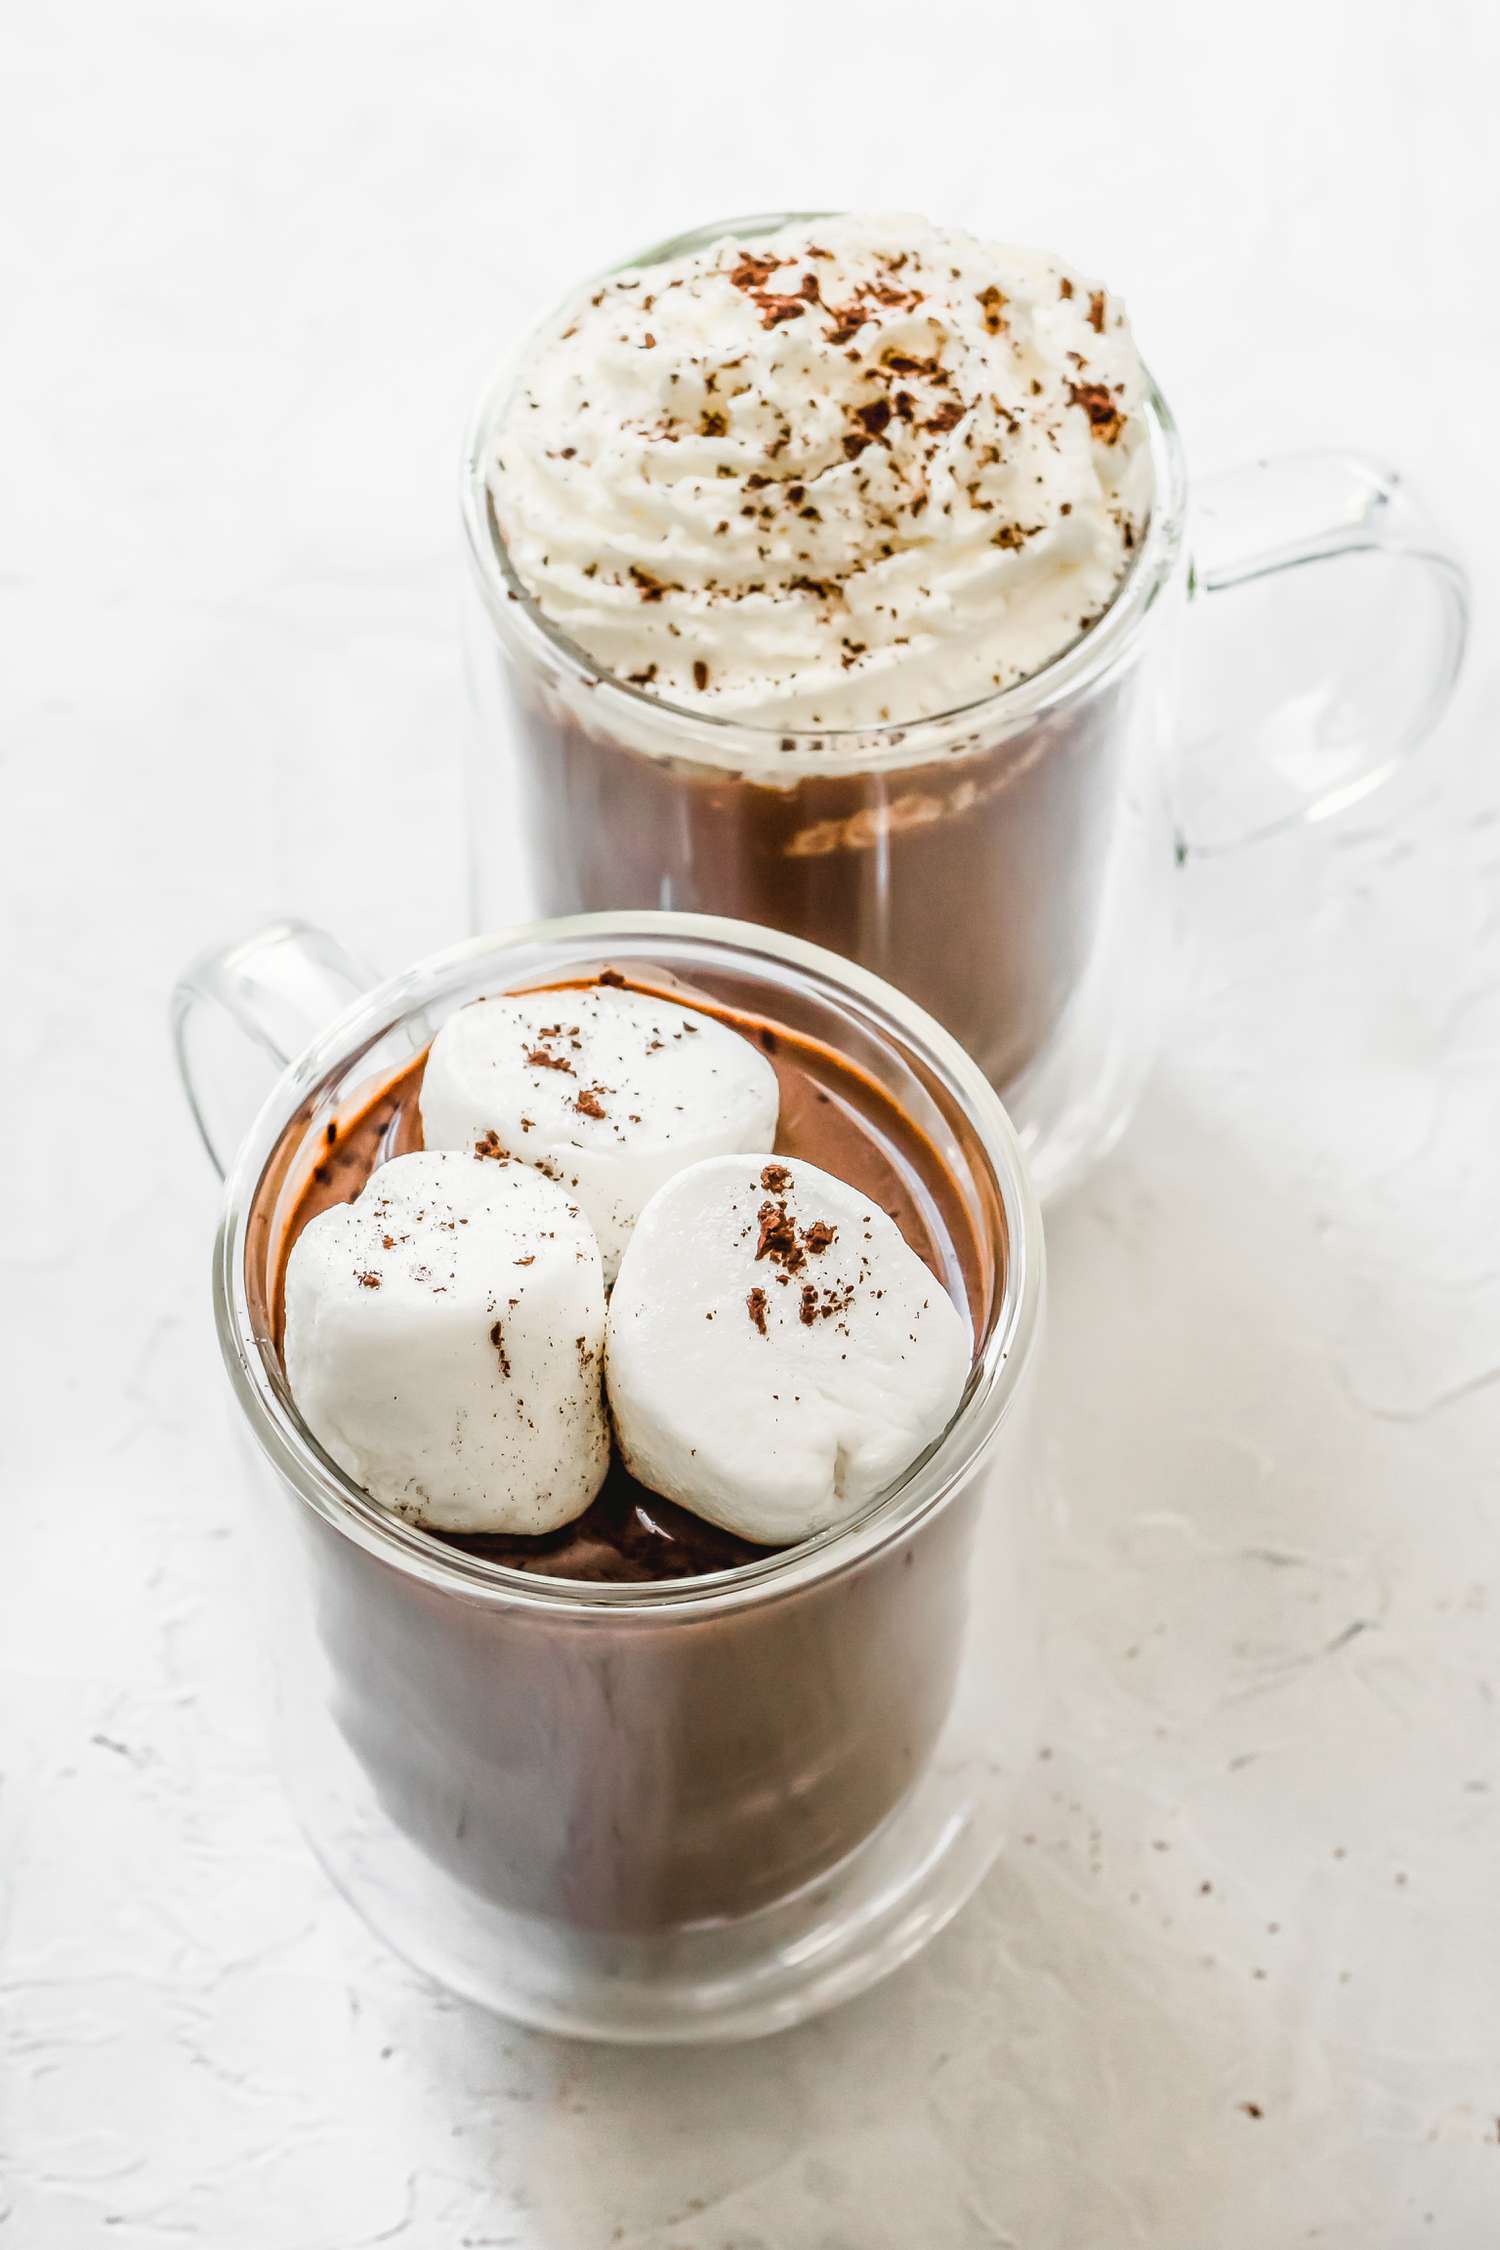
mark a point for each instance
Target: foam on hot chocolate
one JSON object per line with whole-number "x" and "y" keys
{"x": 860, "y": 471}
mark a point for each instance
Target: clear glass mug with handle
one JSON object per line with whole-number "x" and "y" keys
{"x": 1008, "y": 865}
{"x": 694, "y": 1809}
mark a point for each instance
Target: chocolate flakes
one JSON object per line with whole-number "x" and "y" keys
{"x": 1105, "y": 419}
{"x": 827, "y": 1306}
{"x": 778, "y": 1237}
{"x": 751, "y": 275}
{"x": 781, "y": 1240}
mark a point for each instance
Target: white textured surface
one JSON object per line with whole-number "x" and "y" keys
{"x": 257, "y": 259}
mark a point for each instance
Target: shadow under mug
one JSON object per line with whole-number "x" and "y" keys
{"x": 699, "y": 1809}
{"x": 1008, "y": 864}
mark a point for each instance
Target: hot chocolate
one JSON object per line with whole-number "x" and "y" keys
{"x": 773, "y": 527}
{"x": 973, "y": 879}
{"x": 639, "y": 1772}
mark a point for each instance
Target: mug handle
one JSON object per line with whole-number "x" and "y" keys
{"x": 240, "y": 1007}
{"x": 1344, "y": 618}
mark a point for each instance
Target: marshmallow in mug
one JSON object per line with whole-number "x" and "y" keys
{"x": 605, "y": 1090}
{"x": 777, "y": 1353}
{"x": 443, "y": 1341}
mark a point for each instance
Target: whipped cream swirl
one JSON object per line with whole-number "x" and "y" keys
{"x": 855, "y": 473}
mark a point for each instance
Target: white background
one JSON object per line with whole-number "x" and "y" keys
{"x": 257, "y": 260}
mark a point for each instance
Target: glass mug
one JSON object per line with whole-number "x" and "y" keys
{"x": 690, "y": 1809}
{"x": 1007, "y": 864}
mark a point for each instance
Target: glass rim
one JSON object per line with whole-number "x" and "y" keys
{"x": 933, "y": 1479}
{"x": 737, "y": 741}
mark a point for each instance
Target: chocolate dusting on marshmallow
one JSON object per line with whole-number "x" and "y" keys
{"x": 846, "y": 1378}
{"x": 609, "y": 1099}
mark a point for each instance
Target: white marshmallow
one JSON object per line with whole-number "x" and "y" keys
{"x": 607, "y": 1091}
{"x": 444, "y": 1335}
{"x": 763, "y": 1374}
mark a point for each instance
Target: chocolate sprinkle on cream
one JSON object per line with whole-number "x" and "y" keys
{"x": 788, "y": 504}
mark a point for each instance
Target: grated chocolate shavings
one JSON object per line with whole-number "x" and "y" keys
{"x": 1105, "y": 419}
